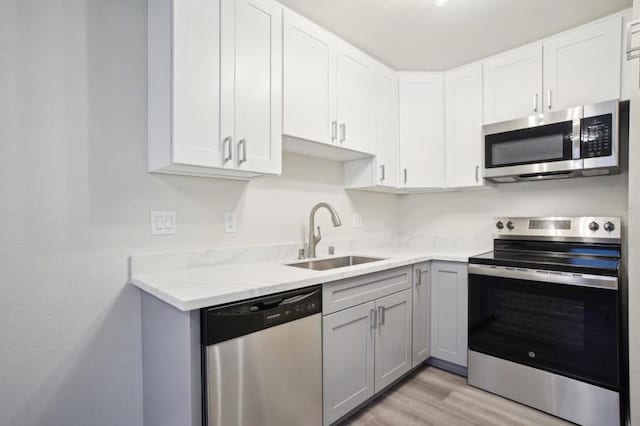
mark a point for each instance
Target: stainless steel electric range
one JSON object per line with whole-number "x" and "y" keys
{"x": 545, "y": 316}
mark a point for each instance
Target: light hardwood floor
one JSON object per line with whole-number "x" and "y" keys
{"x": 435, "y": 397}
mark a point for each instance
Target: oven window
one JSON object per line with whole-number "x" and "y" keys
{"x": 533, "y": 145}
{"x": 567, "y": 330}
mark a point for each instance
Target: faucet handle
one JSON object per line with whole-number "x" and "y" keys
{"x": 318, "y": 237}
{"x": 301, "y": 254}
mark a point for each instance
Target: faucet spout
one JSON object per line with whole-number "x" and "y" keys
{"x": 313, "y": 238}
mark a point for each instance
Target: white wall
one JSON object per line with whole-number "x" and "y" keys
{"x": 75, "y": 201}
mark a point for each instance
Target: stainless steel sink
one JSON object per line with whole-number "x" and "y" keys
{"x": 335, "y": 262}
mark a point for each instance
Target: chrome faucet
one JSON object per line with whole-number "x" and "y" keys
{"x": 313, "y": 238}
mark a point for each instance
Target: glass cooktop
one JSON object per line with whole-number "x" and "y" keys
{"x": 587, "y": 259}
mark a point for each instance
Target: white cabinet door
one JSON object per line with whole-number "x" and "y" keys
{"x": 422, "y": 159}
{"x": 449, "y": 312}
{"x": 513, "y": 84}
{"x": 464, "y": 127}
{"x": 583, "y": 66}
{"x": 421, "y": 313}
{"x": 347, "y": 360}
{"x": 387, "y": 127}
{"x": 252, "y": 83}
{"x": 393, "y": 338}
{"x": 196, "y": 78}
{"x": 309, "y": 80}
{"x": 356, "y": 99}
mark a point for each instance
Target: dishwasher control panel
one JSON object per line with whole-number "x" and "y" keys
{"x": 220, "y": 323}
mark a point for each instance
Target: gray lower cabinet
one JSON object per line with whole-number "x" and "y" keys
{"x": 393, "y": 338}
{"x": 348, "y": 339}
{"x": 365, "y": 347}
{"x": 421, "y": 313}
{"x": 449, "y": 312}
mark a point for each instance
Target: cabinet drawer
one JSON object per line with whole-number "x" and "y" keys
{"x": 354, "y": 291}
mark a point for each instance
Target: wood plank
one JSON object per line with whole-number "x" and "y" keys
{"x": 438, "y": 398}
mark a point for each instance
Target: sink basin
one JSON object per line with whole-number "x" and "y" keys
{"x": 335, "y": 262}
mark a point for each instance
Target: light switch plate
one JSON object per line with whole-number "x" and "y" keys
{"x": 356, "y": 220}
{"x": 163, "y": 222}
{"x": 230, "y": 222}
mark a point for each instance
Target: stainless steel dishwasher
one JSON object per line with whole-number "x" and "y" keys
{"x": 262, "y": 361}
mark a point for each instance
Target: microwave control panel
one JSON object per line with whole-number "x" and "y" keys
{"x": 596, "y": 136}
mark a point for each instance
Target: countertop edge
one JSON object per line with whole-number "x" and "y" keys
{"x": 322, "y": 278}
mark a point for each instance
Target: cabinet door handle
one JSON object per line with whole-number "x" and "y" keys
{"x": 242, "y": 159}
{"x": 419, "y": 276}
{"x": 535, "y": 102}
{"x": 548, "y": 99}
{"x": 477, "y": 173}
{"x": 381, "y": 311}
{"x": 343, "y": 132}
{"x": 405, "y": 176}
{"x": 334, "y": 131}
{"x": 373, "y": 317}
{"x": 632, "y": 29}
{"x": 226, "y": 148}
{"x": 382, "y": 177}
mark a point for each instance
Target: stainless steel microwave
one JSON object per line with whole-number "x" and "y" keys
{"x": 580, "y": 141}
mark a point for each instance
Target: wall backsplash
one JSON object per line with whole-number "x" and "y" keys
{"x": 465, "y": 218}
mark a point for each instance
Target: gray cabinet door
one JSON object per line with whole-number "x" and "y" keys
{"x": 348, "y": 359}
{"x": 449, "y": 312}
{"x": 421, "y": 313}
{"x": 393, "y": 338}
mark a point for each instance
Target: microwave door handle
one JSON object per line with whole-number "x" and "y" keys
{"x": 576, "y": 140}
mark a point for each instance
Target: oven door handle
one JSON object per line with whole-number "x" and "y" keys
{"x": 555, "y": 277}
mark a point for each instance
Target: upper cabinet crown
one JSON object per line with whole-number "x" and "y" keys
{"x": 215, "y": 87}
{"x": 577, "y": 67}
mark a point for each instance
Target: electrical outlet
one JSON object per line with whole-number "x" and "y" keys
{"x": 356, "y": 220}
{"x": 163, "y": 222}
{"x": 230, "y": 222}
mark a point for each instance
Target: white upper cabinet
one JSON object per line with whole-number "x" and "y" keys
{"x": 252, "y": 83}
{"x": 356, "y": 99}
{"x": 464, "y": 127}
{"x": 309, "y": 80}
{"x": 387, "y": 127}
{"x": 513, "y": 84}
{"x": 422, "y": 129}
{"x": 583, "y": 66}
{"x": 380, "y": 173}
{"x": 184, "y": 68}
{"x": 215, "y": 91}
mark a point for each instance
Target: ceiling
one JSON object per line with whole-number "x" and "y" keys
{"x": 418, "y": 35}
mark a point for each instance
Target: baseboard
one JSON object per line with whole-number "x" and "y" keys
{"x": 447, "y": 366}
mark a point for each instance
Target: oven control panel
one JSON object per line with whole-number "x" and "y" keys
{"x": 601, "y": 228}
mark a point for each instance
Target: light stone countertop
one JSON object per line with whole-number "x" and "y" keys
{"x": 198, "y": 287}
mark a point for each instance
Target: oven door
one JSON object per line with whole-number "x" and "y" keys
{"x": 567, "y": 329}
{"x": 529, "y": 147}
